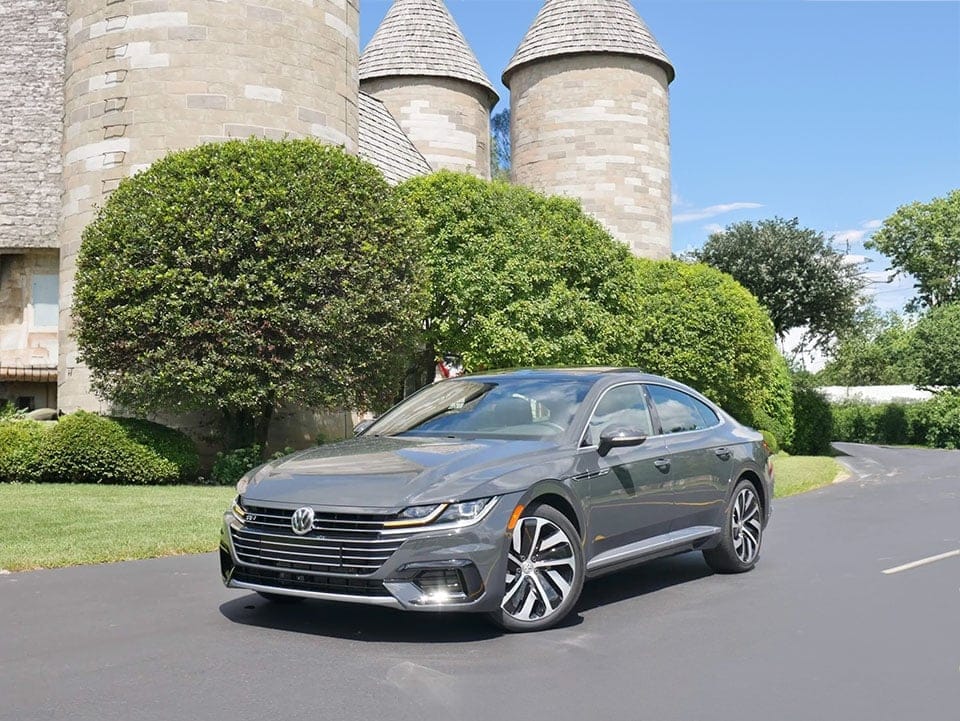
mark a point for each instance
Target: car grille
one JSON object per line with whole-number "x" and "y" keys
{"x": 340, "y": 543}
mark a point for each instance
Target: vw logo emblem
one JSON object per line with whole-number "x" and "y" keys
{"x": 302, "y": 521}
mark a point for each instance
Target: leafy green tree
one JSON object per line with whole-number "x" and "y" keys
{"x": 923, "y": 240}
{"x": 794, "y": 272}
{"x": 500, "y": 145}
{"x": 242, "y": 276}
{"x": 937, "y": 338}
{"x": 515, "y": 279}
{"x": 694, "y": 324}
{"x": 522, "y": 280}
{"x": 878, "y": 350}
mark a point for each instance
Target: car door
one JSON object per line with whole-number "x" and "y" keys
{"x": 624, "y": 493}
{"x": 700, "y": 462}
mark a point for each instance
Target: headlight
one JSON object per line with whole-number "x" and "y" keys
{"x": 238, "y": 510}
{"x": 466, "y": 511}
{"x": 443, "y": 515}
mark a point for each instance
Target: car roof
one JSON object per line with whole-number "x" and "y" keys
{"x": 591, "y": 372}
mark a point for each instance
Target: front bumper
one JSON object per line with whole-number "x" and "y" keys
{"x": 461, "y": 570}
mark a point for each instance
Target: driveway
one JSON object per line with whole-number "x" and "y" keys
{"x": 817, "y": 631}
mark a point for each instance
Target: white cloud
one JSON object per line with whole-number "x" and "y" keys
{"x": 854, "y": 259}
{"x": 873, "y": 224}
{"x": 713, "y": 211}
{"x": 713, "y": 228}
{"x": 849, "y": 236}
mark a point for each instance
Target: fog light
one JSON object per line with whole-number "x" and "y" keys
{"x": 441, "y": 585}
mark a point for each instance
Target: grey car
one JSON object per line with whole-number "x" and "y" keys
{"x": 501, "y": 493}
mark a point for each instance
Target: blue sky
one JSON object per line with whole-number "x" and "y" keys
{"x": 834, "y": 112}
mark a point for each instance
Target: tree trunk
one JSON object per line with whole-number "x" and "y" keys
{"x": 244, "y": 428}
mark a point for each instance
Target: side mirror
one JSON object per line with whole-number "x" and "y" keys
{"x": 362, "y": 426}
{"x": 619, "y": 437}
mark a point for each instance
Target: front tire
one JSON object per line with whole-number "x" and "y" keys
{"x": 739, "y": 547}
{"x": 544, "y": 572}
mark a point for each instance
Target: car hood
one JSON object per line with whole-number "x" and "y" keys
{"x": 394, "y": 473}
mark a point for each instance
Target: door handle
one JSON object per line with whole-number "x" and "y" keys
{"x": 662, "y": 464}
{"x": 723, "y": 454}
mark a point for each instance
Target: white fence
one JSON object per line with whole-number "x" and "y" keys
{"x": 874, "y": 394}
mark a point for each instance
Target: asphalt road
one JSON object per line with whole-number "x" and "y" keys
{"x": 817, "y": 631}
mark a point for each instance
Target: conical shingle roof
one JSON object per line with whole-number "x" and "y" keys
{"x": 420, "y": 37}
{"x": 566, "y": 27}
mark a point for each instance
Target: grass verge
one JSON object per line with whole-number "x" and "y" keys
{"x": 53, "y": 525}
{"x": 799, "y": 474}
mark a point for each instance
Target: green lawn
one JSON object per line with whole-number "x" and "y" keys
{"x": 799, "y": 474}
{"x": 52, "y": 525}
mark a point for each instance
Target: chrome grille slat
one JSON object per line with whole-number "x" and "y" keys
{"x": 345, "y": 544}
{"x": 394, "y": 540}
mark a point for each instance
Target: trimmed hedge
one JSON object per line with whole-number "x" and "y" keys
{"x": 20, "y": 444}
{"x": 813, "y": 421}
{"x": 699, "y": 326}
{"x": 87, "y": 448}
{"x": 934, "y": 423}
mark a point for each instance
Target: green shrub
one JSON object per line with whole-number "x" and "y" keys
{"x": 231, "y": 465}
{"x": 813, "y": 421}
{"x": 771, "y": 440}
{"x": 169, "y": 443}
{"x": 854, "y": 422}
{"x": 86, "y": 448}
{"x": 20, "y": 443}
{"x": 516, "y": 279}
{"x": 241, "y": 276}
{"x": 936, "y": 423}
{"x": 699, "y": 326}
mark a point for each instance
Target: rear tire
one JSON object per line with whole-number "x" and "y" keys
{"x": 544, "y": 572}
{"x": 742, "y": 535}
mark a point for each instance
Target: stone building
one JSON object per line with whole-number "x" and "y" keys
{"x": 589, "y": 106}
{"x": 92, "y": 91}
{"x": 32, "y": 36}
{"x": 421, "y": 67}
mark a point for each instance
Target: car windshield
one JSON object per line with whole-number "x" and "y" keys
{"x": 533, "y": 408}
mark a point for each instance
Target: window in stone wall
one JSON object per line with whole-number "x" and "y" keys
{"x": 46, "y": 305}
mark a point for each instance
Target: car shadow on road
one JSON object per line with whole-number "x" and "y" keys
{"x": 385, "y": 625}
{"x": 357, "y": 622}
{"x": 642, "y": 580}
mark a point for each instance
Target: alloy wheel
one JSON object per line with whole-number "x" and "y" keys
{"x": 541, "y": 570}
{"x": 746, "y": 526}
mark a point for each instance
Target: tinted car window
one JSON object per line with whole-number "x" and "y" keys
{"x": 528, "y": 408}
{"x": 679, "y": 412}
{"x": 624, "y": 406}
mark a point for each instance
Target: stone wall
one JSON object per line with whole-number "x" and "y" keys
{"x": 146, "y": 77}
{"x": 448, "y": 120}
{"x": 32, "y": 42}
{"x": 596, "y": 128}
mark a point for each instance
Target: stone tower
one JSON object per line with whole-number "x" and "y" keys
{"x": 590, "y": 117}
{"x": 420, "y": 66}
{"x": 146, "y": 78}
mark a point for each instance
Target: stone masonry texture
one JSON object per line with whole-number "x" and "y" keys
{"x": 32, "y": 46}
{"x": 596, "y": 127}
{"x": 447, "y": 119}
{"x": 146, "y": 77}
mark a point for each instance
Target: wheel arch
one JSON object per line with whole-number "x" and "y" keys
{"x": 750, "y": 475}
{"x": 555, "y": 494}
